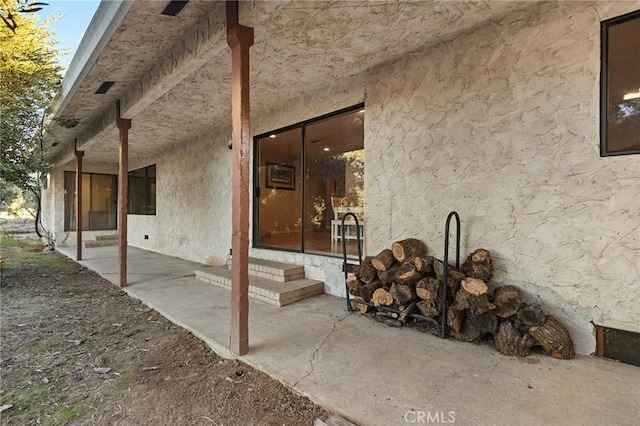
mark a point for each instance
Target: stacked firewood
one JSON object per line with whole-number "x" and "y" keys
{"x": 404, "y": 280}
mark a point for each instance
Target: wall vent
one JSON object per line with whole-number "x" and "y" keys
{"x": 174, "y": 7}
{"x": 104, "y": 87}
{"x": 621, "y": 345}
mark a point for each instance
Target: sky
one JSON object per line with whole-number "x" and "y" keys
{"x": 76, "y": 15}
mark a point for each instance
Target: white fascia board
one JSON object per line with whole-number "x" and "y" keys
{"x": 104, "y": 23}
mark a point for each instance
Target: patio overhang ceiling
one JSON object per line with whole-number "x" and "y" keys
{"x": 172, "y": 73}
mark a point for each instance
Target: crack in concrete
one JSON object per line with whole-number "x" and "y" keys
{"x": 315, "y": 352}
{"x": 439, "y": 391}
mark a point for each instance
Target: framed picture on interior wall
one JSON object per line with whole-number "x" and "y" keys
{"x": 620, "y": 85}
{"x": 281, "y": 176}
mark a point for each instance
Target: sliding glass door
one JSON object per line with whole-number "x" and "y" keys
{"x": 279, "y": 190}
{"x": 99, "y": 205}
{"x": 301, "y": 211}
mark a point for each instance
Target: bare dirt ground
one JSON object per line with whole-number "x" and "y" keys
{"x": 77, "y": 350}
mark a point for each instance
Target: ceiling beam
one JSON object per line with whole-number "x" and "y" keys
{"x": 199, "y": 45}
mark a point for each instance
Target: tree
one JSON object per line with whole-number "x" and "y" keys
{"x": 29, "y": 79}
{"x": 9, "y": 8}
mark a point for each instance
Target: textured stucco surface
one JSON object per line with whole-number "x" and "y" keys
{"x": 174, "y": 73}
{"x": 502, "y": 125}
{"x": 193, "y": 218}
{"x": 499, "y": 123}
{"x": 144, "y": 44}
{"x": 193, "y": 202}
{"x": 53, "y": 202}
{"x": 341, "y": 94}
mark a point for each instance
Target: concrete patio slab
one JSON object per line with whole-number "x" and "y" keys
{"x": 377, "y": 375}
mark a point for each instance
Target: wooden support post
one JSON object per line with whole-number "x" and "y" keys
{"x": 239, "y": 39}
{"x": 123, "y": 186}
{"x": 79, "y": 155}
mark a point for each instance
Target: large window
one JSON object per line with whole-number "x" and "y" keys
{"x": 99, "y": 201}
{"x": 620, "y": 86}
{"x": 307, "y": 177}
{"x": 142, "y": 191}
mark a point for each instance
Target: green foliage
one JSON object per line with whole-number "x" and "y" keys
{"x": 30, "y": 251}
{"x": 29, "y": 78}
{"x": 355, "y": 162}
{"x": 9, "y": 9}
{"x": 67, "y": 414}
{"x": 27, "y": 402}
{"x": 7, "y": 240}
{"x": 42, "y": 347}
{"x": 8, "y": 193}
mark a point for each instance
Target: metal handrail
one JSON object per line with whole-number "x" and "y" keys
{"x": 445, "y": 259}
{"x": 344, "y": 253}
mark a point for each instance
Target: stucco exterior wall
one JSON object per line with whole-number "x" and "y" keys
{"x": 49, "y": 210}
{"x": 501, "y": 125}
{"x": 53, "y": 202}
{"x": 193, "y": 202}
{"x": 193, "y": 219}
{"x": 344, "y": 93}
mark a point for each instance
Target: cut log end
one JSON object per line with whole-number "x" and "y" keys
{"x": 384, "y": 260}
{"x": 406, "y": 271}
{"x": 358, "y": 306}
{"x": 389, "y": 276}
{"x": 554, "y": 338}
{"x": 474, "y": 286}
{"x": 424, "y": 264}
{"x": 485, "y": 323}
{"x": 478, "y": 265}
{"x": 429, "y": 289}
{"x": 408, "y": 249}
{"x": 402, "y": 294}
{"x": 480, "y": 255}
{"x": 507, "y": 300}
{"x": 530, "y": 314}
{"x": 367, "y": 290}
{"x": 354, "y": 284}
{"x": 381, "y": 297}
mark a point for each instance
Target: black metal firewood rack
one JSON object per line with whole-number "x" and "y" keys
{"x": 440, "y": 326}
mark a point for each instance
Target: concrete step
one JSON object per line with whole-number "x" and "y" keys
{"x": 277, "y": 293}
{"x": 99, "y": 243}
{"x": 276, "y": 271}
{"x": 108, "y": 237}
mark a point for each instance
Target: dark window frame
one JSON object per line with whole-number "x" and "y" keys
{"x": 66, "y": 226}
{"x": 604, "y": 86}
{"x": 148, "y": 181}
{"x": 300, "y": 125}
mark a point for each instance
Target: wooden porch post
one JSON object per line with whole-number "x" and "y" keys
{"x": 239, "y": 39}
{"x": 79, "y": 155}
{"x": 123, "y": 186}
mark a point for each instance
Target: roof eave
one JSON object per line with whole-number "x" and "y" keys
{"x": 103, "y": 25}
